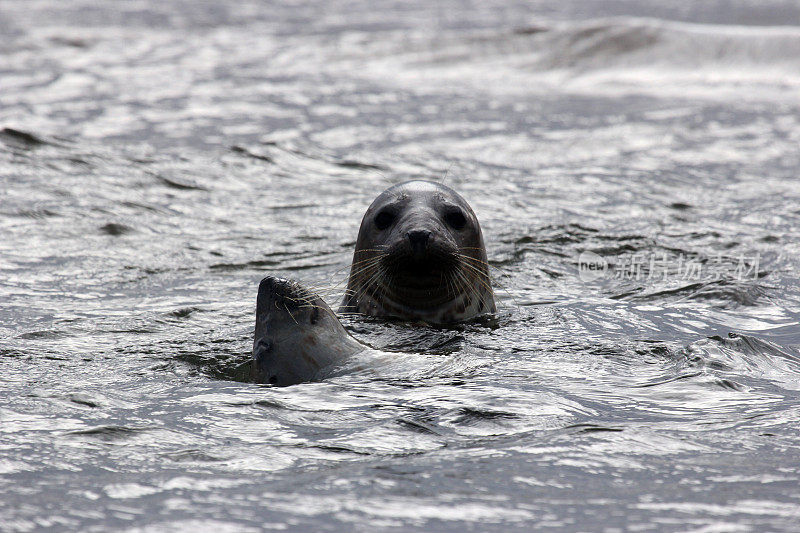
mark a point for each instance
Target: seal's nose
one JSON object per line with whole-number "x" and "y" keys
{"x": 419, "y": 240}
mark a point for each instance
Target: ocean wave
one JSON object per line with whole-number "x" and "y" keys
{"x": 646, "y": 54}
{"x": 634, "y": 42}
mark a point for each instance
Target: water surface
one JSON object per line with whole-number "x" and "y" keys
{"x": 160, "y": 158}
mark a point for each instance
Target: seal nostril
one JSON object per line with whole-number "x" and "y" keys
{"x": 418, "y": 239}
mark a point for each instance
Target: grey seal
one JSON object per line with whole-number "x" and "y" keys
{"x": 419, "y": 256}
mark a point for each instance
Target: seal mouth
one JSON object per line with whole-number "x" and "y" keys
{"x": 422, "y": 280}
{"x": 415, "y": 273}
{"x": 280, "y": 291}
{"x": 286, "y": 297}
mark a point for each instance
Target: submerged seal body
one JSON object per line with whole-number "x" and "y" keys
{"x": 419, "y": 256}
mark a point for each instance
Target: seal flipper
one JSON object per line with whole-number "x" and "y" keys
{"x": 297, "y": 336}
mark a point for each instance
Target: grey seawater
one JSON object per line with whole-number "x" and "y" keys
{"x": 158, "y": 158}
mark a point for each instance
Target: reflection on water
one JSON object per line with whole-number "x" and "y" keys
{"x": 158, "y": 159}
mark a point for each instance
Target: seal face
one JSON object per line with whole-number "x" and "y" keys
{"x": 419, "y": 256}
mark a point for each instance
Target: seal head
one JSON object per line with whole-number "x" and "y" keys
{"x": 297, "y": 336}
{"x": 420, "y": 256}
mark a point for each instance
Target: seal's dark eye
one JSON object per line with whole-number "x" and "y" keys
{"x": 384, "y": 219}
{"x": 455, "y": 219}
